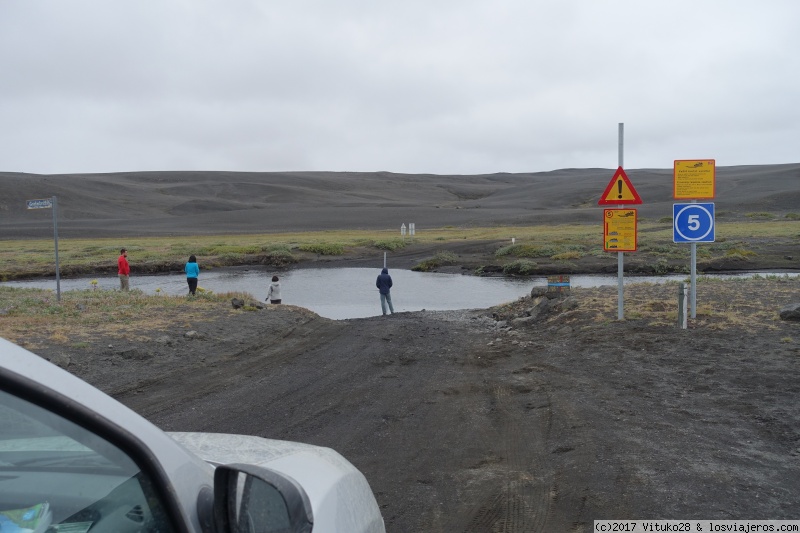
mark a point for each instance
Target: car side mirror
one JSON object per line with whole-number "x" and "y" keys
{"x": 253, "y": 499}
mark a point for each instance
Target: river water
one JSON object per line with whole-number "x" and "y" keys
{"x": 341, "y": 293}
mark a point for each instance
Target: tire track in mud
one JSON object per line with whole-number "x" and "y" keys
{"x": 520, "y": 499}
{"x": 187, "y": 384}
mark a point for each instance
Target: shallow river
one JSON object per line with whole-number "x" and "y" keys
{"x": 341, "y": 293}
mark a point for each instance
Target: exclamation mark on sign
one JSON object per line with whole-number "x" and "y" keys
{"x": 619, "y": 188}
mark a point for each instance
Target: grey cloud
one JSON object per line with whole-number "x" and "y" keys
{"x": 442, "y": 87}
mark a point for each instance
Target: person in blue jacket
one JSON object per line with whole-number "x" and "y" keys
{"x": 384, "y": 283}
{"x": 192, "y": 273}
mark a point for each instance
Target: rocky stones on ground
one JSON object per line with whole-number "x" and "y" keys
{"x": 238, "y": 303}
{"x": 791, "y": 312}
{"x": 524, "y": 320}
{"x": 61, "y": 360}
{"x": 165, "y": 339}
{"x": 136, "y": 354}
{"x": 531, "y": 310}
{"x": 540, "y": 306}
{"x": 536, "y": 292}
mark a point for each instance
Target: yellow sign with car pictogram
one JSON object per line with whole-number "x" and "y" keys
{"x": 619, "y": 230}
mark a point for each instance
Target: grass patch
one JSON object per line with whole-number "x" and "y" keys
{"x": 739, "y": 253}
{"x": 33, "y": 317}
{"x": 567, "y": 256}
{"x": 323, "y": 248}
{"x": 527, "y": 250}
{"x": 520, "y": 267}
{"x": 748, "y": 305}
{"x": 438, "y": 260}
{"x": 389, "y": 244}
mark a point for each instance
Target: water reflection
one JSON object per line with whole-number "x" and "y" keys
{"x": 341, "y": 293}
{"x": 333, "y": 293}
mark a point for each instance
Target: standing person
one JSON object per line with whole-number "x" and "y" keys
{"x": 274, "y": 291}
{"x": 384, "y": 283}
{"x": 192, "y": 273}
{"x": 124, "y": 270}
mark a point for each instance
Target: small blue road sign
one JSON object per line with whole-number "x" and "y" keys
{"x": 693, "y": 222}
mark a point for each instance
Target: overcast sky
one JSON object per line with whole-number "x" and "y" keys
{"x": 416, "y": 86}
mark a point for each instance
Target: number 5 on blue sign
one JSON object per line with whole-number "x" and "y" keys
{"x": 693, "y": 222}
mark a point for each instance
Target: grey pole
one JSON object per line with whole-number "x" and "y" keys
{"x": 620, "y": 260}
{"x": 693, "y": 295}
{"x": 693, "y": 287}
{"x": 55, "y": 238}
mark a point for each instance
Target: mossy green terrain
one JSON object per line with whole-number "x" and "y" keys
{"x": 740, "y": 245}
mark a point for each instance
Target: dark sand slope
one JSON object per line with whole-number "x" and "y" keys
{"x": 163, "y": 203}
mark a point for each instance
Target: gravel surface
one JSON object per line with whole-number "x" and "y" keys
{"x": 525, "y": 417}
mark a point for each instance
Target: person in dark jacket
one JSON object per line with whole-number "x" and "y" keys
{"x": 384, "y": 283}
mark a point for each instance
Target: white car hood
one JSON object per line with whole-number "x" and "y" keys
{"x": 340, "y": 496}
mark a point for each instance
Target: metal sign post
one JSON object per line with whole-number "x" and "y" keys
{"x": 51, "y": 203}
{"x": 620, "y": 260}
{"x": 620, "y": 234}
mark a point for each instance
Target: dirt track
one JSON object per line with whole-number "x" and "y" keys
{"x": 469, "y": 421}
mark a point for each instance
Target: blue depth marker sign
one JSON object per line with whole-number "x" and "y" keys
{"x": 693, "y": 222}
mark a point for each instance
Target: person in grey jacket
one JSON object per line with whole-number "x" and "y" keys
{"x": 274, "y": 291}
{"x": 384, "y": 284}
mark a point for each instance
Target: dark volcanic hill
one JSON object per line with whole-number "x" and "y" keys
{"x": 186, "y": 203}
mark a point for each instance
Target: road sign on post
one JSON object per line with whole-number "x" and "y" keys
{"x": 50, "y": 203}
{"x": 43, "y": 203}
{"x": 694, "y": 179}
{"x": 619, "y": 230}
{"x": 693, "y": 223}
{"x": 619, "y": 191}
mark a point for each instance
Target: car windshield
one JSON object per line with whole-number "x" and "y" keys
{"x": 53, "y": 471}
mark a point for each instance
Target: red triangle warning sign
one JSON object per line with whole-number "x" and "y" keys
{"x": 619, "y": 191}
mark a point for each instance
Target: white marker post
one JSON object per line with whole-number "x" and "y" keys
{"x": 403, "y": 231}
{"x": 51, "y": 203}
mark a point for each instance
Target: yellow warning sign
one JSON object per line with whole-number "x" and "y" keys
{"x": 620, "y": 190}
{"x": 619, "y": 230}
{"x": 694, "y": 179}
